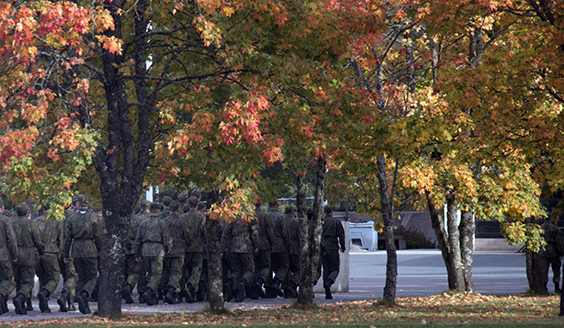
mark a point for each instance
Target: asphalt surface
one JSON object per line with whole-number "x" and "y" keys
{"x": 421, "y": 273}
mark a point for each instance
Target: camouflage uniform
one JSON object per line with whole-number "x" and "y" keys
{"x": 262, "y": 227}
{"x": 70, "y": 277}
{"x": 152, "y": 241}
{"x": 174, "y": 260}
{"x": 136, "y": 272}
{"x": 332, "y": 235}
{"x": 8, "y": 252}
{"x": 48, "y": 270}
{"x": 293, "y": 278}
{"x": 239, "y": 241}
{"x": 550, "y": 255}
{"x": 29, "y": 244}
{"x": 193, "y": 257}
{"x": 279, "y": 257}
{"x": 82, "y": 244}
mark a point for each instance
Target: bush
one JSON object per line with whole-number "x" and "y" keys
{"x": 414, "y": 239}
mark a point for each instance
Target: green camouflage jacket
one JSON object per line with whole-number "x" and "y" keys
{"x": 332, "y": 230}
{"x": 281, "y": 241}
{"x": 52, "y": 234}
{"x": 153, "y": 238}
{"x": 293, "y": 233}
{"x": 8, "y": 241}
{"x": 195, "y": 221}
{"x": 238, "y": 238}
{"x": 82, "y": 234}
{"x": 180, "y": 234}
{"x": 262, "y": 227}
{"x": 29, "y": 241}
{"x": 134, "y": 223}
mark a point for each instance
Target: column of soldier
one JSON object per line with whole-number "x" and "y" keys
{"x": 165, "y": 255}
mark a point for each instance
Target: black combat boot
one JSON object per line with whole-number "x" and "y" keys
{"x": 228, "y": 291}
{"x": 291, "y": 290}
{"x": 240, "y": 292}
{"x": 82, "y": 300}
{"x": 28, "y": 304}
{"x": 19, "y": 304}
{"x": 257, "y": 289}
{"x": 170, "y": 296}
{"x": 327, "y": 287}
{"x": 141, "y": 299}
{"x": 190, "y": 295}
{"x": 557, "y": 289}
{"x": 62, "y": 301}
{"x": 150, "y": 297}
{"x": 43, "y": 297}
{"x": 276, "y": 286}
{"x": 126, "y": 294}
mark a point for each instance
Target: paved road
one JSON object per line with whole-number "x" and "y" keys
{"x": 420, "y": 273}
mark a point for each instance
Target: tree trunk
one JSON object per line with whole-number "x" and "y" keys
{"x": 456, "y": 282}
{"x": 467, "y": 228}
{"x": 318, "y": 218}
{"x": 387, "y": 215}
{"x": 534, "y": 274}
{"x": 215, "y": 269}
{"x": 305, "y": 295}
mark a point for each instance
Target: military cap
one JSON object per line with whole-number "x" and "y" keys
{"x": 193, "y": 201}
{"x": 156, "y": 206}
{"x": 167, "y": 200}
{"x": 22, "y": 209}
{"x": 201, "y": 205}
{"x": 174, "y": 206}
{"x": 146, "y": 203}
{"x": 196, "y": 192}
{"x": 182, "y": 197}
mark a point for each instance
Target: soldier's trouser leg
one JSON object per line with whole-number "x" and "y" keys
{"x": 7, "y": 283}
{"x": 26, "y": 279}
{"x": 142, "y": 280}
{"x": 242, "y": 267}
{"x": 175, "y": 273}
{"x": 280, "y": 265}
{"x": 556, "y": 269}
{"x": 40, "y": 274}
{"x": 262, "y": 264}
{"x": 87, "y": 270}
{"x": 51, "y": 272}
{"x": 331, "y": 263}
{"x": 155, "y": 268}
{"x": 70, "y": 278}
{"x": 294, "y": 275}
{"x": 194, "y": 269}
{"x": 166, "y": 273}
{"x": 133, "y": 268}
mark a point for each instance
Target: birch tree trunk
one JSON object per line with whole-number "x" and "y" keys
{"x": 215, "y": 269}
{"x": 467, "y": 227}
{"x": 456, "y": 282}
{"x": 318, "y": 218}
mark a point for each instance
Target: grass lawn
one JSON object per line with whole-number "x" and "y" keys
{"x": 446, "y": 310}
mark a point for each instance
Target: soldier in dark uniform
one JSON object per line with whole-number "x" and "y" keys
{"x": 8, "y": 254}
{"x": 293, "y": 278}
{"x": 151, "y": 242}
{"x": 136, "y": 272}
{"x": 333, "y": 234}
{"x": 551, "y": 253}
{"x": 239, "y": 241}
{"x": 48, "y": 270}
{"x": 70, "y": 277}
{"x": 83, "y": 245}
{"x": 29, "y": 242}
{"x": 194, "y": 251}
{"x": 280, "y": 261}
{"x": 174, "y": 260}
{"x": 165, "y": 212}
{"x": 262, "y": 227}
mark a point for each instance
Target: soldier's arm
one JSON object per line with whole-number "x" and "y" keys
{"x": 11, "y": 241}
{"x": 37, "y": 241}
{"x": 167, "y": 238}
{"x": 138, "y": 243}
{"x": 341, "y": 235}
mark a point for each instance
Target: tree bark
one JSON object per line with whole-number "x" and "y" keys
{"x": 456, "y": 282}
{"x": 534, "y": 272}
{"x": 215, "y": 268}
{"x": 387, "y": 215}
{"x": 467, "y": 228}
{"x": 305, "y": 295}
{"x": 318, "y": 218}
